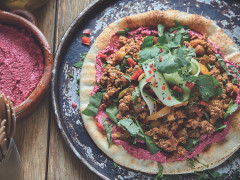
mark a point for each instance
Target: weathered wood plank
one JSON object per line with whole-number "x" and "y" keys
{"x": 62, "y": 162}
{"x": 32, "y": 132}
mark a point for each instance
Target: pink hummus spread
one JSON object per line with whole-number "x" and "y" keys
{"x": 21, "y": 63}
{"x": 139, "y": 150}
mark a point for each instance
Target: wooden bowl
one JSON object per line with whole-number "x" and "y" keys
{"x": 28, "y": 105}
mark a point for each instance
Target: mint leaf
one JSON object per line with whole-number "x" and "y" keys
{"x": 148, "y": 53}
{"x": 108, "y": 129}
{"x": 124, "y": 32}
{"x": 160, "y": 30}
{"x": 112, "y": 111}
{"x": 95, "y": 102}
{"x": 152, "y": 148}
{"x": 231, "y": 109}
{"x": 190, "y": 162}
{"x": 191, "y": 142}
{"x": 147, "y": 42}
{"x": 160, "y": 173}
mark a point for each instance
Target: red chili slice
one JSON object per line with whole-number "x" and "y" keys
{"x": 86, "y": 40}
{"x": 160, "y": 58}
{"x": 153, "y": 68}
{"x": 136, "y": 74}
{"x": 103, "y": 56}
{"x": 190, "y": 85}
{"x": 178, "y": 89}
{"x": 154, "y": 83}
{"x": 204, "y": 103}
{"x": 148, "y": 79}
{"x": 163, "y": 87}
{"x": 155, "y": 40}
{"x": 131, "y": 62}
{"x": 160, "y": 50}
{"x": 99, "y": 125}
{"x": 169, "y": 98}
{"x": 86, "y": 31}
{"x": 150, "y": 72}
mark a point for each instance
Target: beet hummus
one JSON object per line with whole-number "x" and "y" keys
{"x": 21, "y": 63}
{"x": 139, "y": 150}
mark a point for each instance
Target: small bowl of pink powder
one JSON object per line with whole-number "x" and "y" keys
{"x": 26, "y": 62}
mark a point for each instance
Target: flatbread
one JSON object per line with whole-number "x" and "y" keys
{"x": 214, "y": 154}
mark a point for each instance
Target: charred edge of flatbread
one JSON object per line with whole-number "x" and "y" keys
{"x": 215, "y": 153}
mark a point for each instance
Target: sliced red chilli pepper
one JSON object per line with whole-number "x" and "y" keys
{"x": 150, "y": 72}
{"x": 190, "y": 85}
{"x": 169, "y": 98}
{"x": 136, "y": 74}
{"x": 131, "y": 62}
{"x": 204, "y": 103}
{"x": 86, "y": 40}
{"x": 99, "y": 125}
{"x": 163, "y": 87}
{"x": 103, "y": 56}
{"x": 153, "y": 68}
{"x": 160, "y": 50}
{"x": 154, "y": 83}
{"x": 86, "y": 31}
{"x": 155, "y": 40}
{"x": 148, "y": 79}
{"x": 178, "y": 89}
{"x": 160, "y": 58}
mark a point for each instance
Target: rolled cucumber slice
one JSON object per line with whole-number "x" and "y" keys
{"x": 152, "y": 105}
{"x": 164, "y": 94}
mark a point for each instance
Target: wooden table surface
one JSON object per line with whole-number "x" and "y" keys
{"x": 43, "y": 151}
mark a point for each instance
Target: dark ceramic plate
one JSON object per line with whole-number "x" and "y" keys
{"x": 96, "y": 17}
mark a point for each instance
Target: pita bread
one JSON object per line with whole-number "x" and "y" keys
{"x": 213, "y": 155}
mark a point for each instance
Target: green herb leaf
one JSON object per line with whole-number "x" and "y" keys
{"x": 178, "y": 26}
{"x": 152, "y": 148}
{"x": 147, "y": 42}
{"x": 127, "y": 77}
{"x": 95, "y": 102}
{"x": 78, "y": 65}
{"x": 190, "y": 162}
{"x": 148, "y": 53}
{"x": 112, "y": 111}
{"x": 70, "y": 75}
{"x": 206, "y": 115}
{"x": 124, "y": 32}
{"x": 202, "y": 175}
{"x": 115, "y": 165}
{"x": 160, "y": 173}
{"x": 160, "y": 30}
{"x": 135, "y": 94}
{"x": 191, "y": 142}
{"x": 124, "y": 64}
{"x": 208, "y": 87}
{"x": 219, "y": 126}
{"x": 131, "y": 127}
{"x": 231, "y": 109}
{"x": 108, "y": 129}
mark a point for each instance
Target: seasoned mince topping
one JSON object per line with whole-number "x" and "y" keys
{"x": 164, "y": 92}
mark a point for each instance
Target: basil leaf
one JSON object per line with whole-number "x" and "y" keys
{"x": 95, "y": 102}
{"x": 124, "y": 32}
{"x": 152, "y": 148}
{"x": 191, "y": 142}
{"x": 160, "y": 30}
{"x": 112, "y": 111}
{"x": 108, "y": 129}
{"x": 160, "y": 173}
{"x": 231, "y": 109}
{"x": 190, "y": 162}
{"x": 147, "y": 42}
